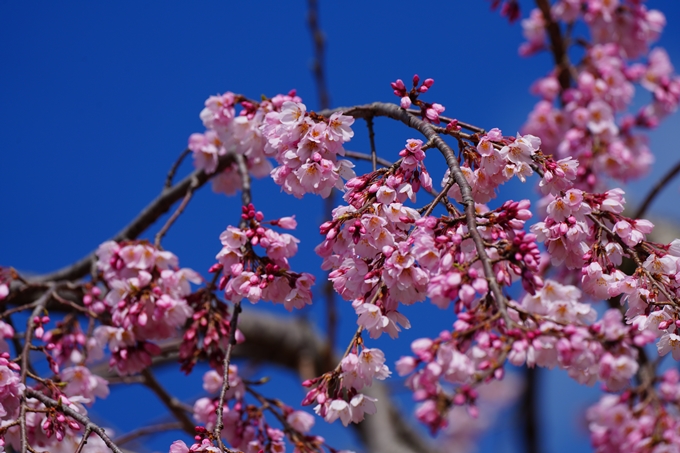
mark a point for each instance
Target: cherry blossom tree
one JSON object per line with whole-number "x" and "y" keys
{"x": 573, "y": 281}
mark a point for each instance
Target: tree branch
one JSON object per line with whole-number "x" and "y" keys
{"x": 668, "y": 177}
{"x": 397, "y": 113}
{"x": 30, "y": 327}
{"x": 233, "y": 325}
{"x": 159, "y": 206}
{"x": 83, "y": 420}
{"x": 175, "y": 215}
{"x": 557, "y": 46}
{"x": 368, "y": 157}
{"x": 173, "y": 405}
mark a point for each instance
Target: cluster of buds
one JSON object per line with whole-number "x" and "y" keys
{"x": 146, "y": 301}
{"x": 429, "y": 111}
{"x": 247, "y": 274}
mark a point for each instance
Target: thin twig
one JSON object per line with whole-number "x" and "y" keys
{"x": 6, "y": 314}
{"x": 83, "y": 420}
{"x": 233, "y": 325}
{"x": 173, "y": 169}
{"x": 371, "y": 138}
{"x": 175, "y": 215}
{"x": 83, "y": 441}
{"x": 246, "y": 199}
{"x": 146, "y": 430}
{"x": 246, "y": 196}
{"x": 439, "y": 197}
{"x": 368, "y": 157}
{"x": 30, "y": 327}
{"x": 444, "y": 119}
{"x": 656, "y": 189}
{"x": 75, "y": 306}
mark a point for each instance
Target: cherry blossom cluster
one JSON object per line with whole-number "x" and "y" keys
{"x": 642, "y": 421}
{"x": 67, "y": 343}
{"x": 48, "y": 428}
{"x": 306, "y": 146}
{"x": 249, "y": 275}
{"x": 245, "y": 427}
{"x": 585, "y": 125}
{"x": 232, "y": 133}
{"x": 6, "y": 332}
{"x": 383, "y": 252}
{"x": 494, "y": 161}
{"x": 337, "y": 392}
{"x": 588, "y": 232}
{"x": 550, "y": 328}
{"x": 208, "y": 331}
{"x": 11, "y": 388}
{"x": 394, "y": 185}
{"x": 146, "y": 301}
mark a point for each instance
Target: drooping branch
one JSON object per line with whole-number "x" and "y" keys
{"x": 395, "y": 112}
{"x": 246, "y": 200}
{"x": 225, "y": 375}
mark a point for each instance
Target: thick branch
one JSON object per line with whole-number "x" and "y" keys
{"x": 395, "y": 112}
{"x": 144, "y": 220}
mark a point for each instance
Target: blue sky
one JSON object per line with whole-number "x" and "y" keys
{"x": 99, "y": 99}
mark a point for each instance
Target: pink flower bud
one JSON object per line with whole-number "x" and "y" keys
{"x": 289, "y": 223}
